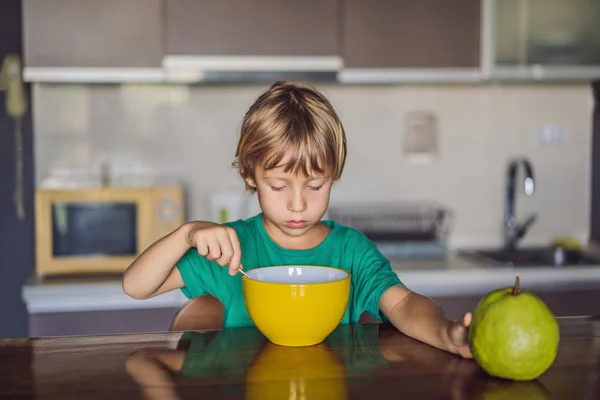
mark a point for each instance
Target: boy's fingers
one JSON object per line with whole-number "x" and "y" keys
{"x": 226, "y": 253}
{"x": 226, "y": 249}
{"x": 235, "y": 262}
{"x": 202, "y": 248}
{"x": 214, "y": 249}
{"x": 466, "y": 319}
{"x": 458, "y": 332}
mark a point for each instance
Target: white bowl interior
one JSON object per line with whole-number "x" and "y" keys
{"x": 297, "y": 274}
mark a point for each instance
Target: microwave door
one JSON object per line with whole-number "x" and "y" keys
{"x": 94, "y": 229}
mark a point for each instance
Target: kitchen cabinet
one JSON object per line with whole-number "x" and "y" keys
{"x": 252, "y": 27}
{"x": 242, "y": 35}
{"x": 357, "y": 41}
{"x": 101, "y": 322}
{"x": 94, "y": 304}
{"x": 89, "y": 40}
{"x": 387, "y": 40}
{"x": 562, "y": 302}
{"x": 542, "y": 39}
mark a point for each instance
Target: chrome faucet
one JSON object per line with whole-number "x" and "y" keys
{"x": 513, "y": 231}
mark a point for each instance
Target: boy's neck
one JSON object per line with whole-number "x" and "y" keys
{"x": 312, "y": 238}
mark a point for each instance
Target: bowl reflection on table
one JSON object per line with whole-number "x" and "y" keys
{"x": 281, "y": 372}
{"x": 296, "y": 305}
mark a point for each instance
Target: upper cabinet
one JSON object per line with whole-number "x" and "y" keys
{"x": 542, "y": 39}
{"x": 354, "y": 41}
{"x": 91, "y": 40}
{"x": 250, "y": 35}
{"x": 408, "y": 40}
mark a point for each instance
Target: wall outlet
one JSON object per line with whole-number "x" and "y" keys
{"x": 552, "y": 134}
{"x": 420, "y": 142}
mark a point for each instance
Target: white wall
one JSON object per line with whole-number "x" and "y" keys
{"x": 190, "y": 133}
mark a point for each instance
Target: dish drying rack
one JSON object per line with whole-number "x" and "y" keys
{"x": 401, "y": 230}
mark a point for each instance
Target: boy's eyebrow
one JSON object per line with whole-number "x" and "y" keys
{"x": 267, "y": 177}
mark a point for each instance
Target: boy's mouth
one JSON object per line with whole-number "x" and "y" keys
{"x": 296, "y": 224}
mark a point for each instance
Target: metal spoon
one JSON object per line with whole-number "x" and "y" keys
{"x": 245, "y": 274}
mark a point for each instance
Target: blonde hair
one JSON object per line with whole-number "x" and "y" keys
{"x": 293, "y": 123}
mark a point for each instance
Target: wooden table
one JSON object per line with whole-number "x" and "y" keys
{"x": 363, "y": 361}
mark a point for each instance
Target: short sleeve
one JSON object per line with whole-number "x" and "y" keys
{"x": 199, "y": 276}
{"x": 373, "y": 276}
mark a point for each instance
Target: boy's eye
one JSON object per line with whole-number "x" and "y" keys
{"x": 315, "y": 187}
{"x": 277, "y": 189}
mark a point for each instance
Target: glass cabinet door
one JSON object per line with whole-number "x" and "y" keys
{"x": 543, "y": 39}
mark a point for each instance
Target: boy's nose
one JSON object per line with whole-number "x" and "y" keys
{"x": 297, "y": 204}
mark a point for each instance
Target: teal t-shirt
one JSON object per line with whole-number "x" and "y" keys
{"x": 344, "y": 247}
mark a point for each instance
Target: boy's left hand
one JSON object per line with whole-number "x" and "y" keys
{"x": 457, "y": 334}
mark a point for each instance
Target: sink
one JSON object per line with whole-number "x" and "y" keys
{"x": 531, "y": 257}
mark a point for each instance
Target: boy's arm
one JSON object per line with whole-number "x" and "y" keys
{"x": 421, "y": 318}
{"x": 151, "y": 369}
{"x": 154, "y": 272}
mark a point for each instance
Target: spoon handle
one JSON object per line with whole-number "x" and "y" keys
{"x": 245, "y": 274}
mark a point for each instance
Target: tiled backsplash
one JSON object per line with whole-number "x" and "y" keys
{"x": 190, "y": 133}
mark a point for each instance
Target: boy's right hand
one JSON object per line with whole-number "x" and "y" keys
{"x": 217, "y": 243}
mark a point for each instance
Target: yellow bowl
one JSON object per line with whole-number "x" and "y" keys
{"x": 296, "y": 305}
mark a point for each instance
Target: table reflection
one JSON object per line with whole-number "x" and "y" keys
{"x": 360, "y": 360}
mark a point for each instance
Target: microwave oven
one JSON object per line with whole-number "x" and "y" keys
{"x": 101, "y": 230}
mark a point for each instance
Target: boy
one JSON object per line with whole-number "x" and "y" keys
{"x": 291, "y": 150}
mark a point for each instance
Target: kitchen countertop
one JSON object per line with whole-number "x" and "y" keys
{"x": 452, "y": 276}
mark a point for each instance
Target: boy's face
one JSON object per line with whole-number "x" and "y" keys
{"x": 293, "y": 204}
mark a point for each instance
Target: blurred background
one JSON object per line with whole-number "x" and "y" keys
{"x": 470, "y": 126}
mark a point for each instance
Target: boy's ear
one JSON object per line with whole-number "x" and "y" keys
{"x": 250, "y": 182}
